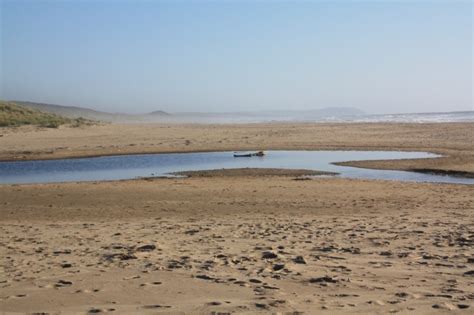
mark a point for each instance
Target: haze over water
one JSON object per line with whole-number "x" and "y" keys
{"x": 302, "y": 116}
{"x": 230, "y": 56}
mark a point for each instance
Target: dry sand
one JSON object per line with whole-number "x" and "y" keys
{"x": 244, "y": 243}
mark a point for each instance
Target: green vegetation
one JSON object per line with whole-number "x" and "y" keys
{"x": 13, "y": 115}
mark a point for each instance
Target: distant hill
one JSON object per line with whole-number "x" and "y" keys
{"x": 12, "y": 114}
{"x": 159, "y": 113}
{"x": 76, "y": 112}
{"x": 158, "y": 116}
{"x": 323, "y": 114}
{"x": 69, "y": 111}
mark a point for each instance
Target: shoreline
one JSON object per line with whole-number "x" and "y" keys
{"x": 451, "y": 140}
{"x": 373, "y": 164}
{"x": 132, "y": 153}
{"x": 364, "y": 164}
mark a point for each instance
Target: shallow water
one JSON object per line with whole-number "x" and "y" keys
{"x": 132, "y": 166}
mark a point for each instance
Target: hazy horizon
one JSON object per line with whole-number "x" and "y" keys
{"x": 238, "y": 56}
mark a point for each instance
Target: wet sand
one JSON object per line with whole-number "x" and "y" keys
{"x": 242, "y": 243}
{"x": 297, "y": 174}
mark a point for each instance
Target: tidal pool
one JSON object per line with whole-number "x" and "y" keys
{"x": 145, "y": 165}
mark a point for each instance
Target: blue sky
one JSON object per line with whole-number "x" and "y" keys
{"x": 139, "y": 56}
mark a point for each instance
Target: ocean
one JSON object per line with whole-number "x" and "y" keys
{"x": 295, "y": 116}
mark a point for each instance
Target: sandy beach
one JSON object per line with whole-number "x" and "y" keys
{"x": 236, "y": 157}
{"x": 243, "y": 243}
{"x": 453, "y": 140}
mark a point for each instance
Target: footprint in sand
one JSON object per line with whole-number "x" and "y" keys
{"x": 63, "y": 283}
{"x": 155, "y": 306}
{"x": 150, "y": 284}
{"x": 87, "y": 291}
{"x": 99, "y": 310}
{"x": 18, "y": 296}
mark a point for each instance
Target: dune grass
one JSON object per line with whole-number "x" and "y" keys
{"x": 14, "y": 115}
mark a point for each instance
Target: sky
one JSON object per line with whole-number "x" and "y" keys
{"x": 227, "y": 56}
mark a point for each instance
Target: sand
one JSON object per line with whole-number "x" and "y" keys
{"x": 297, "y": 174}
{"x": 454, "y": 140}
{"x": 241, "y": 243}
